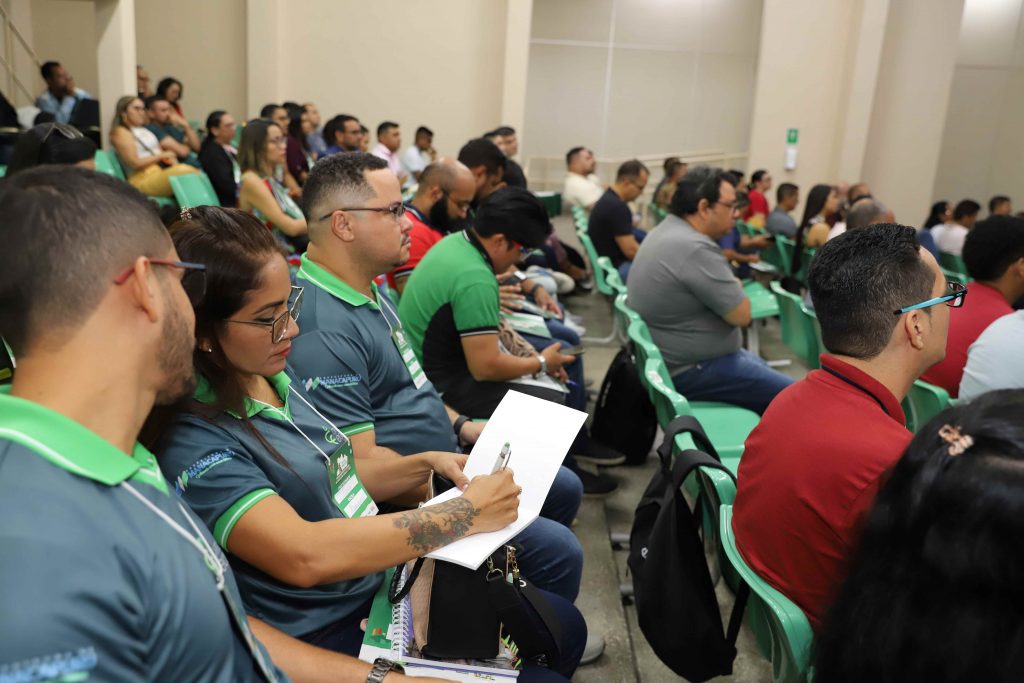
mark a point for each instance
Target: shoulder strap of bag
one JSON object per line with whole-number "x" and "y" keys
{"x": 689, "y": 460}
{"x": 685, "y": 424}
{"x": 395, "y": 593}
{"x": 510, "y": 604}
{"x": 736, "y": 617}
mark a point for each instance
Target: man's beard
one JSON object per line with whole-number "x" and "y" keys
{"x": 175, "y": 359}
{"x": 441, "y": 220}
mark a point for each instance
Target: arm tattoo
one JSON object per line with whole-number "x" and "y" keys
{"x": 437, "y": 525}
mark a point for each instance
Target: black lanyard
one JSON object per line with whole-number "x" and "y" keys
{"x": 857, "y": 386}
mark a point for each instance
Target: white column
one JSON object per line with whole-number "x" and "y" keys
{"x": 115, "y": 55}
{"x": 517, "y": 60}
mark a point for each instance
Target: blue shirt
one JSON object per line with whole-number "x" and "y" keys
{"x": 354, "y": 374}
{"x": 221, "y": 470}
{"x": 61, "y": 109}
{"x": 96, "y": 585}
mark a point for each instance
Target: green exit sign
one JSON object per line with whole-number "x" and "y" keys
{"x": 792, "y": 134}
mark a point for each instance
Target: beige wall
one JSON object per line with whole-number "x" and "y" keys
{"x": 982, "y": 145}
{"x": 641, "y": 77}
{"x": 65, "y": 31}
{"x": 202, "y": 43}
{"x": 438, "y": 64}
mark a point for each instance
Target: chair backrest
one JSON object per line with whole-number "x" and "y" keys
{"x": 783, "y": 257}
{"x": 599, "y": 279}
{"x": 611, "y": 275}
{"x": 668, "y": 403}
{"x": 781, "y": 629}
{"x": 805, "y": 263}
{"x": 626, "y": 315}
{"x": 717, "y": 489}
{"x": 3, "y": 170}
{"x": 658, "y": 214}
{"x": 107, "y": 162}
{"x": 641, "y": 338}
{"x": 923, "y": 402}
{"x": 798, "y": 331}
{"x": 953, "y": 263}
{"x": 194, "y": 189}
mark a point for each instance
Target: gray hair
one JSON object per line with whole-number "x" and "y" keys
{"x": 864, "y": 212}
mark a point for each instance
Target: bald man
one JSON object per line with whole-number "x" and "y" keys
{"x": 441, "y": 206}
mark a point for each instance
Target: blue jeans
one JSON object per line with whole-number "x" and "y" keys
{"x": 550, "y": 555}
{"x": 346, "y": 637}
{"x": 624, "y": 270}
{"x": 740, "y": 378}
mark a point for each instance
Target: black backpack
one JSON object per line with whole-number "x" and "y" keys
{"x": 624, "y": 417}
{"x": 675, "y": 598}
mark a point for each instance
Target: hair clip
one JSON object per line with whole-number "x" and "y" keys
{"x": 186, "y": 213}
{"x": 958, "y": 442}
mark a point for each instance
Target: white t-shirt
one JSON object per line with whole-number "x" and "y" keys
{"x": 950, "y": 238}
{"x": 146, "y": 144}
{"x": 995, "y": 360}
{"x": 836, "y": 230}
{"x": 582, "y": 191}
{"x": 414, "y": 160}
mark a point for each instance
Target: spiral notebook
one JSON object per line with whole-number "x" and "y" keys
{"x": 389, "y": 635}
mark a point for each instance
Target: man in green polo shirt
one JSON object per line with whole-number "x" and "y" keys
{"x": 105, "y": 575}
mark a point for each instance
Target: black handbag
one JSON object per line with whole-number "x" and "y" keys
{"x": 460, "y": 613}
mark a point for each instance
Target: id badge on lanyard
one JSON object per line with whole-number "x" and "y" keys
{"x": 419, "y": 378}
{"x": 346, "y": 489}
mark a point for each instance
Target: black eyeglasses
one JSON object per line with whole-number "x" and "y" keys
{"x": 955, "y": 298}
{"x": 279, "y": 325}
{"x": 193, "y": 281}
{"x": 397, "y": 210}
{"x": 68, "y": 131}
{"x": 461, "y": 206}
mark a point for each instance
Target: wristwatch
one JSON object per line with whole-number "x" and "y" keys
{"x": 460, "y": 421}
{"x": 381, "y": 668}
{"x": 543, "y": 366}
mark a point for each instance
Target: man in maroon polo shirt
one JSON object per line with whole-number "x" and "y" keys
{"x": 811, "y": 468}
{"x": 994, "y": 256}
{"x": 441, "y": 205}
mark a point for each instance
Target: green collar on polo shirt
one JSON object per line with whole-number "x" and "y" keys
{"x": 205, "y": 394}
{"x": 331, "y": 284}
{"x": 73, "y": 448}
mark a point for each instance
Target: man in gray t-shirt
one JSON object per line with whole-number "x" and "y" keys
{"x": 779, "y": 221}
{"x": 683, "y": 287}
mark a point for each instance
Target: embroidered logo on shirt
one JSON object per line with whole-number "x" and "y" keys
{"x": 199, "y": 468}
{"x": 332, "y": 381}
{"x": 63, "y": 666}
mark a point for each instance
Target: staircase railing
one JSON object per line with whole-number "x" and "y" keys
{"x": 15, "y": 89}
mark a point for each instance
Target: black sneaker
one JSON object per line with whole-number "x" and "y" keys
{"x": 596, "y": 484}
{"x": 600, "y": 455}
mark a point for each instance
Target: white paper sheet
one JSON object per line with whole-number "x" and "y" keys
{"x": 540, "y": 433}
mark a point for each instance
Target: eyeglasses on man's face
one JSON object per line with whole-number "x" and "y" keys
{"x": 396, "y": 209}
{"x": 193, "y": 281}
{"x": 279, "y": 325}
{"x": 954, "y": 298}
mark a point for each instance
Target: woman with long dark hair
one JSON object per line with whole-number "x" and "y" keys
{"x": 219, "y": 158}
{"x": 822, "y": 202}
{"x": 264, "y": 188}
{"x": 171, "y": 89}
{"x": 940, "y": 213}
{"x": 300, "y": 156}
{"x": 277, "y": 482}
{"x": 933, "y": 592}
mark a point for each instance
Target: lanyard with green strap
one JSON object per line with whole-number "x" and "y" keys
{"x": 398, "y": 336}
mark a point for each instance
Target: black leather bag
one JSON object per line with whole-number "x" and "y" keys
{"x": 460, "y": 613}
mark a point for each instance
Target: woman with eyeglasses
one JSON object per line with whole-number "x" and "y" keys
{"x": 933, "y": 592}
{"x": 267, "y": 186}
{"x": 148, "y": 167}
{"x": 277, "y": 482}
{"x": 52, "y": 143}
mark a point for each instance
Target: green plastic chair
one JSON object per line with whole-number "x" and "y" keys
{"x": 599, "y": 279}
{"x": 717, "y": 489}
{"x": 194, "y": 189}
{"x": 3, "y": 171}
{"x": 805, "y": 263}
{"x": 658, "y": 214}
{"x": 781, "y": 629}
{"x": 107, "y": 162}
{"x": 623, "y": 313}
{"x": 781, "y": 254}
{"x": 798, "y": 327}
{"x": 611, "y": 275}
{"x": 924, "y": 402}
{"x": 954, "y": 264}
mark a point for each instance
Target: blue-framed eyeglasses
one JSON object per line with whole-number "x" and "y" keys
{"x": 954, "y": 299}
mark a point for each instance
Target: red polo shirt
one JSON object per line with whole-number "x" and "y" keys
{"x": 809, "y": 472}
{"x": 422, "y": 237}
{"x": 982, "y": 305}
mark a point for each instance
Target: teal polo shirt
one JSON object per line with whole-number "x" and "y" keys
{"x": 346, "y": 359}
{"x": 96, "y": 586}
{"x": 220, "y": 468}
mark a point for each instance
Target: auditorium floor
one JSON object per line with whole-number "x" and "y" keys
{"x": 627, "y": 657}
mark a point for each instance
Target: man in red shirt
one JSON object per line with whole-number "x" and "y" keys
{"x": 811, "y": 468}
{"x": 994, "y": 256}
{"x": 441, "y": 205}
